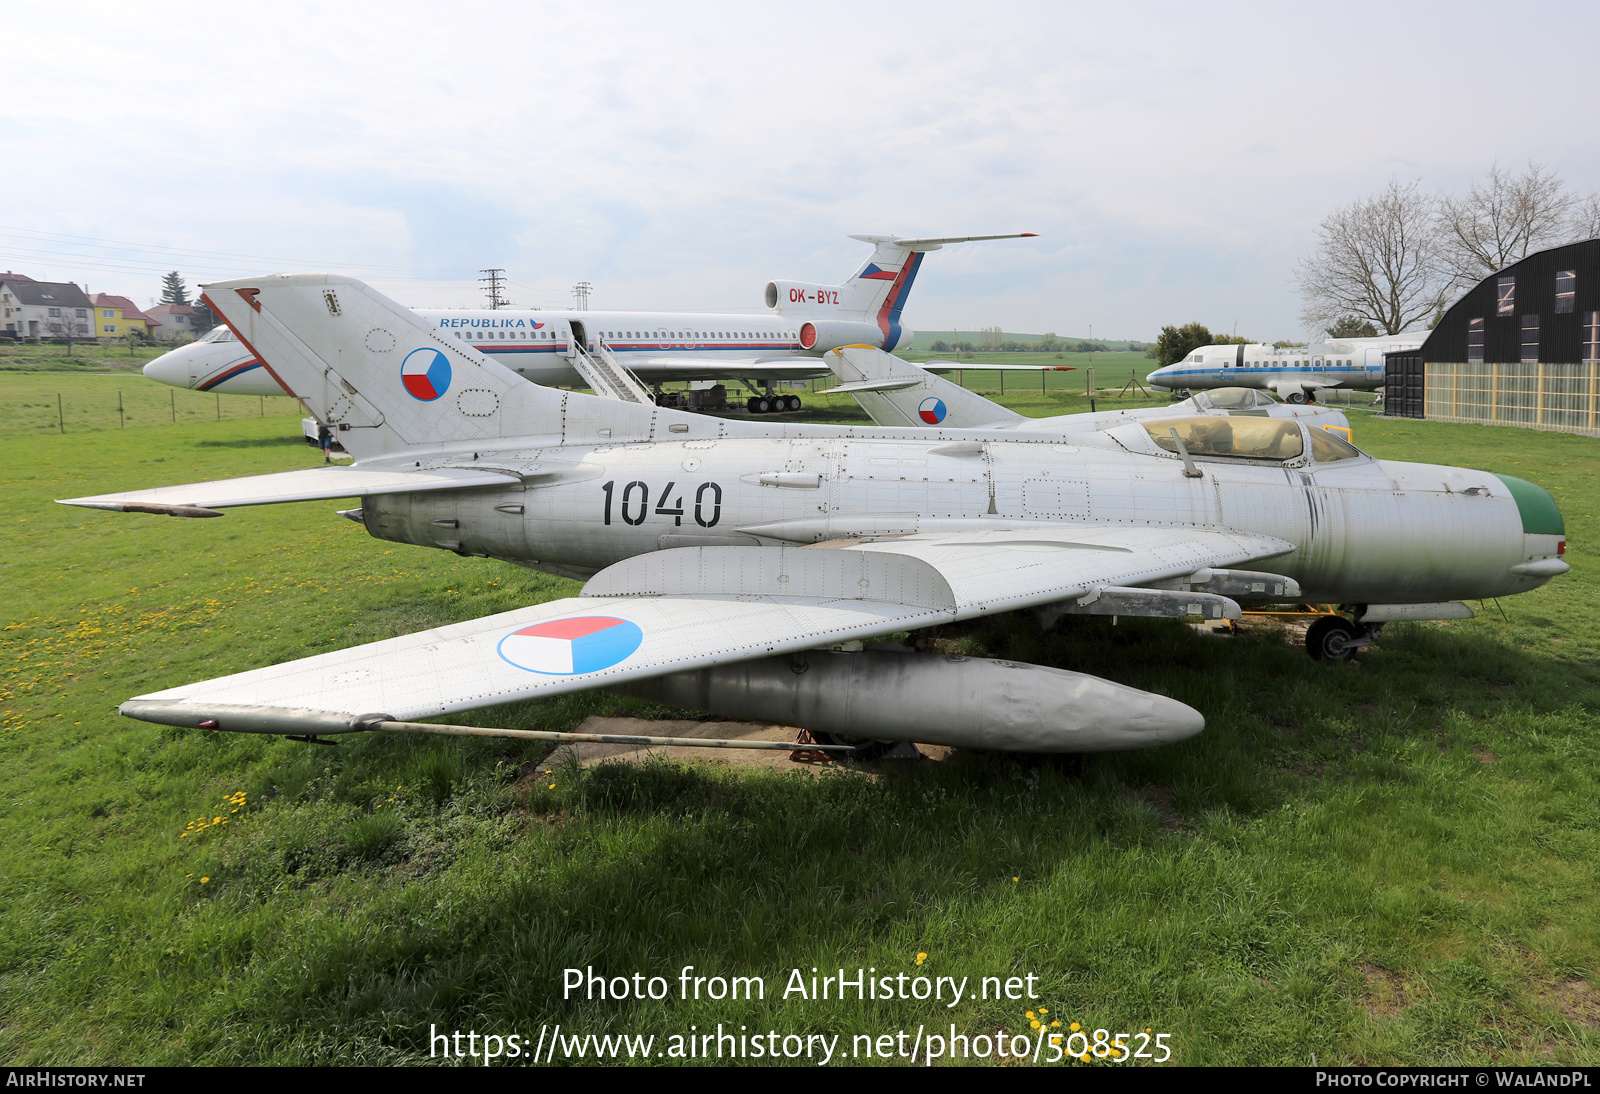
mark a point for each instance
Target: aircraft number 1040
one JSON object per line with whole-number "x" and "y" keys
{"x": 633, "y": 504}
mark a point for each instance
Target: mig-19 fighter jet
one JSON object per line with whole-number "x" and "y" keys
{"x": 737, "y": 567}
{"x": 897, "y": 392}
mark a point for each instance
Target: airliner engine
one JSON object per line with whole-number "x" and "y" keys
{"x": 825, "y": 334}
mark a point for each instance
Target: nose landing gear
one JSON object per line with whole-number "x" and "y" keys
{"x": 1334, "y": 638}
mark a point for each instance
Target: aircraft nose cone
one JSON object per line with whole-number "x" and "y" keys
{"x": 169, "y": 368}
{"x": 1541, "y": 516}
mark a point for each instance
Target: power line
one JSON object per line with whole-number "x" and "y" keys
{"x": 94, "y": 262}
{"x": 33, "y": 234}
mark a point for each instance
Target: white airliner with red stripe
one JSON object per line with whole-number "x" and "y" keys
{"x": 802, "y": 321}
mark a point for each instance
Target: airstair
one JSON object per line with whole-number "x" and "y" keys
{"x": 606, "y": 376}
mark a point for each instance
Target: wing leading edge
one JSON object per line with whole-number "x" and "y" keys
{"x": 308, "y": 484}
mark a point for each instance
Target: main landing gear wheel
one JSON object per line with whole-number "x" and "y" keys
{"x": 866, "y": 748}
{"x": 1329, "y": 638}
{"x": 794, "y": 403}
{"x": 1298, "y": 398}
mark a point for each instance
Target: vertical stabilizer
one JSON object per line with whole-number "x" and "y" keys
{"x": 374, "y": 371}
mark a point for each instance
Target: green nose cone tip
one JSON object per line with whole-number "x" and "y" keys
{"x": 1540, "y": 514}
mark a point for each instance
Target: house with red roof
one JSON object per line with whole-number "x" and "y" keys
{"x": 118, "y": 317}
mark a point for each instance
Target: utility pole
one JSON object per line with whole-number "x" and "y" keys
{"x": 580, "y": 295}
{"x": 495, "y": 279}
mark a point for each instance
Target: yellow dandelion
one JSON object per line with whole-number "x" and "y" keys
{"x": 1030, "y": 1014}
{"x": 1074, "y": 1027}
{"x": 1013, "y": 879}
{"x": 921, "y": 957}
{"x": 1034, "y": 1024}
{"x": 1044, "y": 1010}
{"x": 1055, "y": 1023}
{"x": 204, "y": 880}
{"x": 552, "y": 786}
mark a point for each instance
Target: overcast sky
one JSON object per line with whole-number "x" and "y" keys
{"x": 1174, "y": 158}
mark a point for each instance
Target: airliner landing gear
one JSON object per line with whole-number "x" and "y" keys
{"x": 772, "y": 404}
{"x": 1298, "y": 398}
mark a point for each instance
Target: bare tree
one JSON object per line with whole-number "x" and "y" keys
{"x": 1503, "y": 219}
{"x": 1376, "y": 260}
{"x": 1585, "y": 221}
{"x": 67, "y": 324}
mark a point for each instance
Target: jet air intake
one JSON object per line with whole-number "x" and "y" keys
{"x": 965, "y": 702}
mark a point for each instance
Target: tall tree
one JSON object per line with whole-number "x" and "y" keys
{"x": 1377, "y": 260}
{"x": 173, "y": 290}
{"x": 1504, "y": 218}
{"x": 203, "y": 318}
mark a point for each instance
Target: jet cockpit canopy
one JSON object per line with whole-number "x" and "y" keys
{"x": 1275, "y": 439}
{"x": 1232, "y": 398}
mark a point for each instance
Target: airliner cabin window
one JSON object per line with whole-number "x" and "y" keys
{"x": 1506, "y": 296}
{"x": 1241, "y": 438}
{"x": 1566, "y": 290}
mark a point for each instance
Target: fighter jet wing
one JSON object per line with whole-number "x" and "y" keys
{"x": 309, "y": 484}
{"x": 695, "y": 607}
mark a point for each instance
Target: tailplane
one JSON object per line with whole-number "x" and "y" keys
{"x": 876, "y": 293}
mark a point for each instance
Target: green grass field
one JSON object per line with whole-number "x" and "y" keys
{"x": 80, "y": 357}
{"x": 1391, "y": 862}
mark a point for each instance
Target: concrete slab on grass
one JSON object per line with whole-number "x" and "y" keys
{"x": 740, "y": 758}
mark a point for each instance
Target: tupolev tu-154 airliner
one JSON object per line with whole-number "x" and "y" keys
{"x": 738, "y": 566}
{"x": 624, "y": 353}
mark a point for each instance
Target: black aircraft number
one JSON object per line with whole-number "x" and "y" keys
{"x": 633, "y": 504}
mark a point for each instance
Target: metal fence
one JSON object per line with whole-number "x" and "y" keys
{"x": 77, "y": 409}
